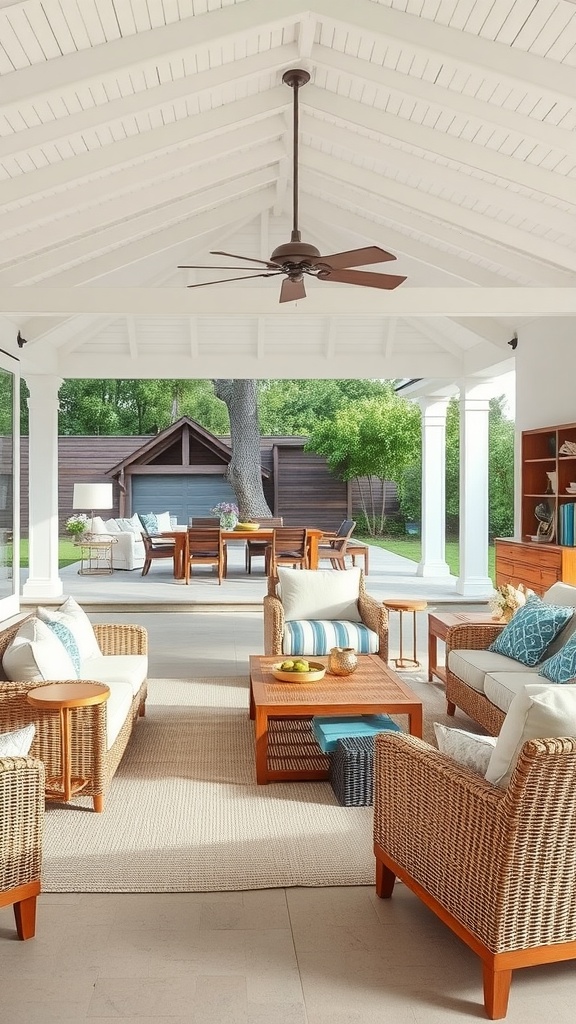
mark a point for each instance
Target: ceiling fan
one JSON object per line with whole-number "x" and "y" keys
{"x": 295, "y": 258}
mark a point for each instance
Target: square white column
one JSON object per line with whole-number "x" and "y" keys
{"x": 474, "y": 450}
{"x": 43, "y": 579}
{"x": 433, "y": 526}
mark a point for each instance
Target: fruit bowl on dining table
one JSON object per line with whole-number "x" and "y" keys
{"x": 298, "y": 670}
{"x": 247, "y": 526}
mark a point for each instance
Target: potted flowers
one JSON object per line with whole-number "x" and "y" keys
{"x": 507, "y": 599}
{"x": 228, "y": 514}
{"x": 77, "y": 525}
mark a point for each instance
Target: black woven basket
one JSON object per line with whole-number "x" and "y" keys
{"x": 352, "y": 771}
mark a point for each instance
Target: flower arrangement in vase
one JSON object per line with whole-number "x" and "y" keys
{"x": 507, "y": 599}
{"x": 77, "y": 524}
{"x": 227, "y": 512}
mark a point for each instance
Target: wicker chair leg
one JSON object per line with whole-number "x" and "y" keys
{"x": 450, "y": 708}
{"x": 25, "y": 914}
{"x": 98, "y": 802}
{"x": 496, "y": 990}
{"x": 385, "y": 879}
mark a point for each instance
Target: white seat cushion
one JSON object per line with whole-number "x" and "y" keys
{"x": 502, "y": 687}
{"x": 317, "y": 636}
{"x": 472, "y": 666}
{"x": 116, "y": 668}
{"x": 118, "y": 709}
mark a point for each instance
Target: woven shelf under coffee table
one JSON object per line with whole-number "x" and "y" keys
{"x": 286, "y": 749}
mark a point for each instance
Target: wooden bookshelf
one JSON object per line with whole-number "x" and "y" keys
{"x": 521, "y": 560}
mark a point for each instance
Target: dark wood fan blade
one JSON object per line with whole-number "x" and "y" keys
{"x": 234, "y": 256}
{"x": 225, "y": 280}
{"x": 357, "y": 257}
{"x": 213, "y": 266}
{"x": 292, "y": 290}
{"x": 368, "y": 280}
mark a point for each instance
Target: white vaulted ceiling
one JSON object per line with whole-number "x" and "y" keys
{"x": 136, "y": 135}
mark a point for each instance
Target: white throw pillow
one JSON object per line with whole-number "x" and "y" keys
{"x": 97, "y": 526}
{"x": 132, "y": 525}
{"x": 164, "y": 524}
{"x": 112, "y": 526}
{"x": 37, "y": 654}
{"x": 17, "y": 743}
{"x": 537, "y": 711}
{"x": 466, "y": 748}
{"x": 71, "y": 615}
{"x": 319, "y": 593}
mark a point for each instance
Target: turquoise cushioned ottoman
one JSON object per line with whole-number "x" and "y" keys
{"x": 349, "y": 742}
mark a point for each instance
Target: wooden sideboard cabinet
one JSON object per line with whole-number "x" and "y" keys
{"x": 536, "y": 565}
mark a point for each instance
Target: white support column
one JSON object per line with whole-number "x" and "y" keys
{"x": 43, "y": 580}
{"x": 433, "y": 528}
{"x": 474, "y": 409}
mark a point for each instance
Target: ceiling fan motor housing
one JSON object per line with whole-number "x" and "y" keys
{"x": 295, "y": 252}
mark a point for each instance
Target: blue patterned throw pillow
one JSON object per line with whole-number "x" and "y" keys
{"x": 561, "y": 667}
{"x": 531, "y": 630}
{"x": 68, "y": 641}
{"x": 149, "y": 521}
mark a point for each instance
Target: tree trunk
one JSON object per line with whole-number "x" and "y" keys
{"x": 244, "y": 472}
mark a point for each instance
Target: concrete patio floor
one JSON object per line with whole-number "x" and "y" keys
{"x": 390, "y": 576}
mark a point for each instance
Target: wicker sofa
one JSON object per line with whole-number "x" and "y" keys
{"x": 21, "y": 829}
{"x": 482, "y": 683}
{"x": 96, "y": 747}
{"x": 496, "y": 865}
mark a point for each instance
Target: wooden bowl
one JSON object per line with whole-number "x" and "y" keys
{"x": 247, "y": 526}
{"x": 317, "y": 672}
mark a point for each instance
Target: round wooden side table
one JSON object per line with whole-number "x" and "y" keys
{"x": 64, "y": 697}
{"x": 401, "y": 607}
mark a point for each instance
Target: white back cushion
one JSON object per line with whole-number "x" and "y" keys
{"x": 112, "y": 526}
{"x": 97, "y": 525}
{"x": 17, "y": 743}
{"x": 319, "y": 593}
{"x": 71, "y": 615}
{"x": 36, "y": 654}
{"x": 537, "y": 711}
{"x": 164, "y": 524}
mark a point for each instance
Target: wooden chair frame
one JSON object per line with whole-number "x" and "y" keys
{"x": 206, "y": 547}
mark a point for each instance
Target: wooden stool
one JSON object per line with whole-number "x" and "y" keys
{"x": 401, "y": 607}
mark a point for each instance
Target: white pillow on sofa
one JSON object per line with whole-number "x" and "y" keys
{"x": 131, "y": 525}
{"x": 539, "y": 710}
{"x": 18, "y": 742}
{"x": 37, "y": 654}
{"x": 465, "y": 748}
{"x": 71, "y": 615}
{"x": 97, "y": 526}
{"x": 164, "y": 524}
{"x": 319, "y": 593}
{"x": 112, "y": 526}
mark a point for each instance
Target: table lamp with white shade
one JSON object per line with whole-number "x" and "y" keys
{"x": 92, "y": 496}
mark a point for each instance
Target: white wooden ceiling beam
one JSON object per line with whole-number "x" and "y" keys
{"x": 390, "y": 327}
{"x": 486, "y": 329}
{"x": 148, "y": 174}
{"x": 306, "y": 32}
{"x": 468, "y": 221}
{"x": 520, "y": 172}
{"x": 448, "y": 234}
{"x": 140, "y": 147}
{"x": 119, "y": 55}
{"x": 423, "y": 35}
{"x": 432, "y": 330}
{"x": 148, "y": 100}
{"x": 165, "y": 196}
{"x": 361, "y": 224}
{"x": 323, "y": 299}
{"x": 132, "y": 339}
{"x": 157, "y": 229}
{"x": 542, "y": 132}
{"x": 477, "y": 189}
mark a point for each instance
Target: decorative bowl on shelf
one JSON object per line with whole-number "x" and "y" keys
{"x": 247, "y": 526}
{"x": 315, "y": 673}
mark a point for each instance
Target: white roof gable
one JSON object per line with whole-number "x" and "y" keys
{"x": 136, "y": 135}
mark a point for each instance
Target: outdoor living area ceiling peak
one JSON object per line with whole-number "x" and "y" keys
{"x": 134, "y": 137}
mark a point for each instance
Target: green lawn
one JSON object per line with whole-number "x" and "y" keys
{"x": 67, "y": 553}
{"x": 411, "y": 547}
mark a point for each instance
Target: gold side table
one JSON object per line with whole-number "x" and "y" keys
{"x": 96, "y": 556}
{"x": 401, "y": 607}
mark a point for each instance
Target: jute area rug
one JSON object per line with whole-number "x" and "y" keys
{"x": 184, "y": 813}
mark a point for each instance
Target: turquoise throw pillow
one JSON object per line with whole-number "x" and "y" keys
{"x": 149, "y": 521}
{"x": 561, "y": 667}
{"x": 68, "y": 641}
{"x": 531, "y": 630}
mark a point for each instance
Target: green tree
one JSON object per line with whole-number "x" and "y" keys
{"x": 295, "y": 407}
{"x": 375, "y": 439}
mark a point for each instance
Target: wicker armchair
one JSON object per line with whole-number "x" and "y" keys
{"x": 372, "y": 612}
{"x": 21, "y": 828}
{"x": 90, "y": 758}
{"x": 498, "y": 866}
{"x": 472, "y": 637}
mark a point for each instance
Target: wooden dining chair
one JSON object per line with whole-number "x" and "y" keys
{"x": 258, "y": 547}
{"x": 289, "y": 546}
{"x": 156, "y": 548}
{"x": 335, "y": 548}
{"x": 206, "y": 547}
{"x": 212, "y": 521}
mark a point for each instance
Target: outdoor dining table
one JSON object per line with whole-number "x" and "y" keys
{"x": 182, "y": 551}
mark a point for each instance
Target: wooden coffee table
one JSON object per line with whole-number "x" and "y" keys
{"x": 438, "y": 625}
{"x": 285, "y": 746}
